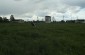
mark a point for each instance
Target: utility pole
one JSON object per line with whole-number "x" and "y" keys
{"x": 71, "y": 17}
{"x": 77, "y": 17}
{"x": 63, "y": 17}
{"x": 54, "y": 19}
{"x": 37, "y": 18}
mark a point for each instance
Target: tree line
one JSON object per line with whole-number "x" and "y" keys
{"x": 4, "y": 19}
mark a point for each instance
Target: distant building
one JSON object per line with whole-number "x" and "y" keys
{"x": 70, "y": 21}
{"x": 80, "y": 21}
{"x": 76, "y": 21}
{"x": 19, "y": 21}
{"x": 48, "y": 19}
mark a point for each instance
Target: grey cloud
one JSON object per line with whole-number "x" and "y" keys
{"x": 80, "y": 3}
{"x": 39, "y": 7}
{"x": 17, "y": 0}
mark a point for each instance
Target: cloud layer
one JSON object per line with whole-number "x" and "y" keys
{"x": 29, "y": 8}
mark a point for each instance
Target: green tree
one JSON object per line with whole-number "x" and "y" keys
{"x": 1, "y": 20}
{"x": 5, "y": 19}
{"x": 12, "y": 18}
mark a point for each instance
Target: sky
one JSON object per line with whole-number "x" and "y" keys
{"x": 31, "y": 9}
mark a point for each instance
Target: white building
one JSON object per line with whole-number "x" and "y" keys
{"x": 80, "y": 21}
{"x": 19, "y": 21}
{"x": 48, "y": 19}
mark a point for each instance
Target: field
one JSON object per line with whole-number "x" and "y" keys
{"x": 45, "y": 39}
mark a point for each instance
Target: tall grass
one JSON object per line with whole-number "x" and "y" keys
{"x": 45, "y": 39}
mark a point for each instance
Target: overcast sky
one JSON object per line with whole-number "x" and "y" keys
{"x": 31, "y": 9}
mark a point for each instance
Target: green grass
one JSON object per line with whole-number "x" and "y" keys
{"x": 45, "y": 39}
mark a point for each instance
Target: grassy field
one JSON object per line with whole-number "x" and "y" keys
{"x": 45, "y": 39}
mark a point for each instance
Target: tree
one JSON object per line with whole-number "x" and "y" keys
{"x": 1, "y": 20}
{"x": 62, "y": 21}
{"x": 12, "y": 18}
{"x": 5, "y": 19}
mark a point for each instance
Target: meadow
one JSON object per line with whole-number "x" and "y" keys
{"x": 45, "y": 39}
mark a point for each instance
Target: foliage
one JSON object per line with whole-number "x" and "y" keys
{"x": 12, "y": 18}
{"x": 1, "y": 20}
{"x": 5, "y": 19}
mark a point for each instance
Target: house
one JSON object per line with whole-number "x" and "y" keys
{"x": 48, "y": 19}
{"x": 80, "y": 21}
{"x": 19, "y": 21}
{"x": 70, "y": 21}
